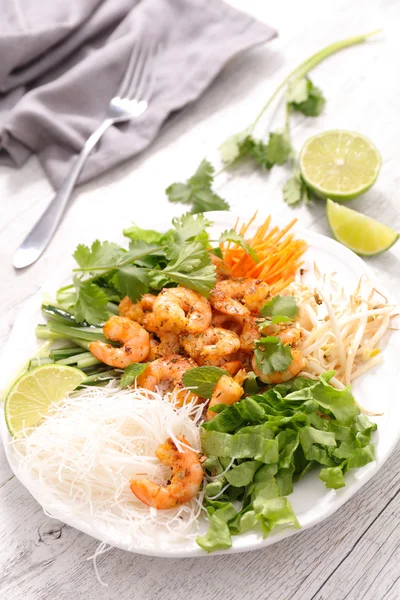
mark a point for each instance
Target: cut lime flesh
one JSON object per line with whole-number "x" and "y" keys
{"x": 360, "y": 233}
{"x": 29, "y": 399}
{"x": 340, "y": 165}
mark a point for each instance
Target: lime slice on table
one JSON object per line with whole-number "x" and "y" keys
{"x": 358, "y": 232}
{"x": 28, "y": 401}
{"x": 339, "y": 164}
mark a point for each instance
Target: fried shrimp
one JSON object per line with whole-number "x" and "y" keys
{"x": 137, "y": 311}
{"x": 290, "y": 335}
{"x": 134, "y": 338}
{"x": 213, "y": 346}
{"x": 239, "y": 296}
{"x": 185, "y": 482}
{"x": 248, "y": 335}
{"x": 179, "y": 309}
{"x": 297, "y": 365}
{"x": 169, "y": 344}
{"x": 232, "y": 322}
{"x": 227, "y": 391}
{"x": 166, "y": 373}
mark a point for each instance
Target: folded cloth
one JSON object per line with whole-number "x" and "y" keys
{"x": 63, "y": 61}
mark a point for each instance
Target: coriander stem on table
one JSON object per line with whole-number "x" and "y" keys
{"x": 311, "y": 62}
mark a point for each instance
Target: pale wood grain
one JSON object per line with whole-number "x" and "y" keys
{"x": 355, "y": 553}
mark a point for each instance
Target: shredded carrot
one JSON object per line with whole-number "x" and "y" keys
{"x": 279, "y": 254}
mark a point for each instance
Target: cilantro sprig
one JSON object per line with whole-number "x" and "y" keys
{"x": 197, "y": 191}
{"x": 280, "y": 309}
{"x": 230, "y": 235}
{"x": 301, "y": 96}
{"x": 107, "y": 271}
{"x": 272, "y": 355}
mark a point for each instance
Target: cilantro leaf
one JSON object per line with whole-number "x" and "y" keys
{"x": 201, "y": 281}
{"x": 135, "y": 233}
{"x": 306, "y": 98}
{"x": 112, "y": 294}
{"x": 275, "y": 152}
{"x": 230, "y": 235}
{"x": 202, "y": 380}
{"x": 295, "y": 190}
{"x": 131, "y": 373}
{"x": 139, "y": 250}
{"x": 91, "y": 301}
{"x": 280, "y": 306}
{"x": 230, "y": 150}
{"x": 205, "y": 201}
{"x": 101, "y": 253}
{"x": 278, "y": 148}
{"x": 190, "y": 265}
{"x": 188, "y": 226}
{"x": 271, "y": 355}
{"x": 197, "y": 191}
{"x": 297, "y": 91}
{"x": 179, "y": 192}
{"x": 131, "y": 281}
{"x": 203, "y": 176}
{"x": 255, "y": 149}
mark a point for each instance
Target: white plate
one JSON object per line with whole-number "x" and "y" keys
{"x": 311, "y": 501}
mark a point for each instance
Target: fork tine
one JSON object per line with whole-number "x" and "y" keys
{"x": 144, "y": 92}
{"x": 142, "y": 68}
{"x": 132, "y": 61}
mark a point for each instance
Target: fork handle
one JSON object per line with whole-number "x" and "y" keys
{"x": 42, "y": 232}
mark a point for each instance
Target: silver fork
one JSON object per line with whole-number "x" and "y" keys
{"x": 131, "y": 102}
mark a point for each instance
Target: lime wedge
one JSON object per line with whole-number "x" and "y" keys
{"x": 358, "y": 232}
{"x": 27, "y": 403}
{"x": 340, "y": 165}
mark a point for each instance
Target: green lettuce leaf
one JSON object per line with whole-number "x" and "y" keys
{"x": 218, "y": 536}
{"x": 235, "y": 415}
{"x": 275, "y": 438}
{"x": 150, "y": 236}
{"x": 216, "y": 443}
{"x": 332, "y": 477}
{"x": 241, "y": 475}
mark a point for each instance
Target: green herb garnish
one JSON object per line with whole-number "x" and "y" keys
{"x": 202, "y": 380}
{"x": 272, "y": 355}
{"x": 107, "y": 272}
{"x": 300, "y": 95}
{"x": 131, "y": 373}
{"x": 197, "y": 191}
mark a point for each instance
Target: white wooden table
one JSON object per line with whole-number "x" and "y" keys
{"x": 355, "y": 554}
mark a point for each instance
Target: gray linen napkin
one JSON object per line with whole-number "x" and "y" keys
{"x": 61, "y": 62}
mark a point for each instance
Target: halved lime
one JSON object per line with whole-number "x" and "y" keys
{"x": 28, "y": 401}
{"x": 339, "y": 164}
{"x": 358, "y": 232}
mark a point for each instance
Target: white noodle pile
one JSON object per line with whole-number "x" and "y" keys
{"x": 341, "y": 331}
{"x": 89, "y": 448}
